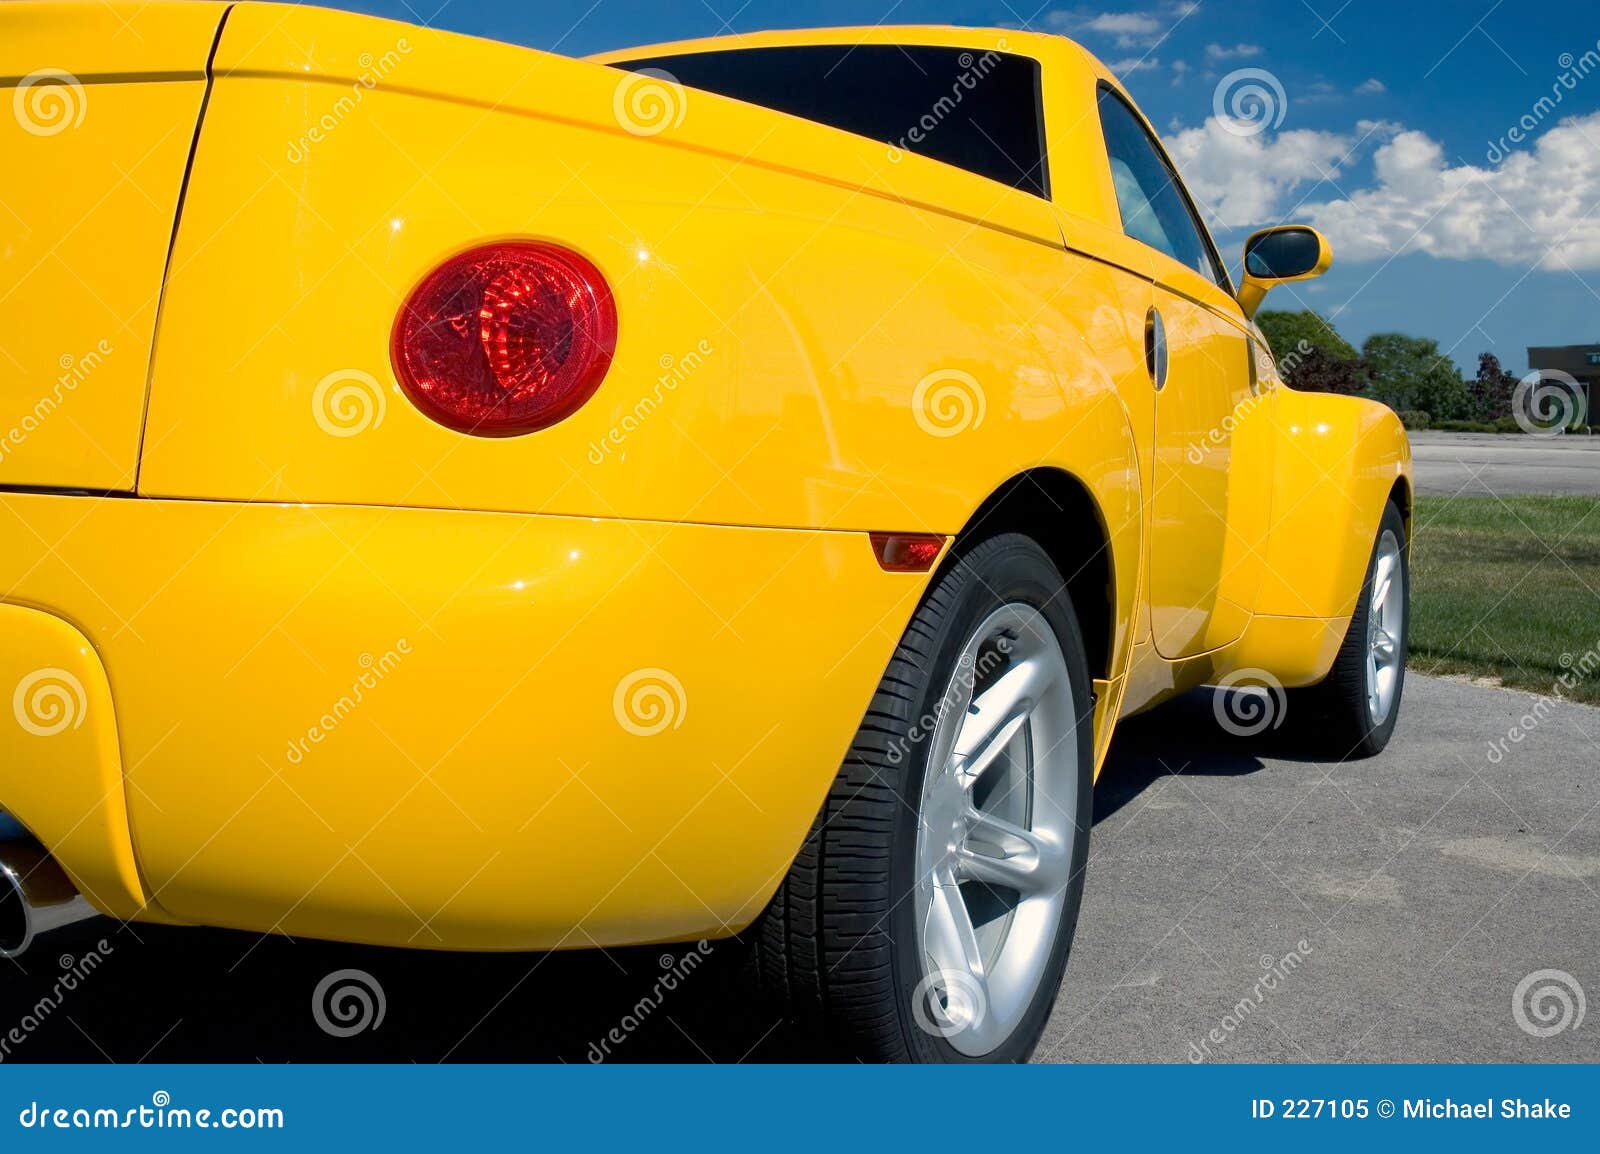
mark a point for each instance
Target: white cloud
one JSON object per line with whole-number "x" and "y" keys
{"x": 1538, "y": 207}
{"x": 1370, "y": 87}
{"x": 1242, "y": 181}
{"x": 1135, "y": 64}
{"x": 1237, "y": 52}
{"x": 1380, "y": 130}
{"x": 1140, "y": 28}
{"x": 1318, "y": 92}
{"x": 1180, "y": 69}
{"x": 1130, "y": 29}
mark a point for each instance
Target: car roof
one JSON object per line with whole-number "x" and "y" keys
{"x": 931, "y": 35}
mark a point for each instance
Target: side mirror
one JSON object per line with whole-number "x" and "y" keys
{"x": 1277, "y": 255}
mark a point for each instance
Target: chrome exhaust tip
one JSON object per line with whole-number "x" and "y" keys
{"x": 36, "y": 896}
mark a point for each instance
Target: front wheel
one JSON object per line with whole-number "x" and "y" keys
{"x": 1352, "y": 712}
{"x": 929, "y": 914}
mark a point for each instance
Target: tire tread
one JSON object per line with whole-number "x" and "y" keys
{"x": 825, "y": 940}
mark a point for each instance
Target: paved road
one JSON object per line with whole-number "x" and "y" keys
{"x": 1425, "y": 884}
{"x": 1474, "y": 464}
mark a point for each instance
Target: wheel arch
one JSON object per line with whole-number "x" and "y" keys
{"x": 1403, "y": 499}
{"x": 1340, "y": 461}
{"x": 1056, "y": 509}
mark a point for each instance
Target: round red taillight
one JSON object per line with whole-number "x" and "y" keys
{"x": 505, "y": 339}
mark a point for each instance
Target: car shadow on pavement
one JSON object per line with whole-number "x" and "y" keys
{"x": 1204, "y": 733}
{"x": 166, "y": 994}
{"x": 1184, "y": 737}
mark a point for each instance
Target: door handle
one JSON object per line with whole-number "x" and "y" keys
{"x": 1155, "y": 348}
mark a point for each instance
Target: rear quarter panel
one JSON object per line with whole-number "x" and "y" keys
{"x": 778, "y": 330}
{"x": 813, "y": 333}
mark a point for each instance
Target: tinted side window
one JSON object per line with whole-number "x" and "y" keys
{"x": 977, "y": 110}
{"x": 1152, "y": 203}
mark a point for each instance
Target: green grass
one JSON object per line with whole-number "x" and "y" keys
{"x": 1508, "y": 588}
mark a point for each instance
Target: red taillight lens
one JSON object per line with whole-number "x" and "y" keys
{"x": 505, "y": 339}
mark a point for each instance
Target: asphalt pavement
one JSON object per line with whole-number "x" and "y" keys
{"x": 1384, "y": 910}
{"x": 1411, "y": 894}
{"x": 1475, "y": 464}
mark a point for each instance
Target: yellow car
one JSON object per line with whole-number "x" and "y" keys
{"x": 457, "y": 496}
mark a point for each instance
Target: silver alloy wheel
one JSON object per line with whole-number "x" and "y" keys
{"x": 1386, "y": 616}
{"x": 996, "y": 830}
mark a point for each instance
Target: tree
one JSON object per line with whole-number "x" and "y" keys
{"x": 1304, "y": 330}
{"x": 1318, "y": 372}
{"x": 1311, "y": 354}
{"x": 1489, "y": 393}
{"x": 1409, "y": 373}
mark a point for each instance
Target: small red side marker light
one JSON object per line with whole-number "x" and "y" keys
{"x": 907, "y": 552}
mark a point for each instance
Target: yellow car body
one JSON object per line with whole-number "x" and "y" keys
{"x": 286, "y": 655}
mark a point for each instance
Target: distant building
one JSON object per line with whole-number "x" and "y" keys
{"x": 1581, "y": 362}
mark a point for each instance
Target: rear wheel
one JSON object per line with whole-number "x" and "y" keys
{"x": 929, "y": 914}
{"x": 1352, "y": 712}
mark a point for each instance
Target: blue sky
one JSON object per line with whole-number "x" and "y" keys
{"x": 1389, "y": 125}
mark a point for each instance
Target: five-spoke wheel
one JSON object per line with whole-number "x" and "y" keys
{"x": 994, "y": 844}
{"x": 929, "y": 915}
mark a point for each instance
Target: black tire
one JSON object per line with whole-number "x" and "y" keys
{"x": 1330, "y": 721}
{"x": 838, "y": 944}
